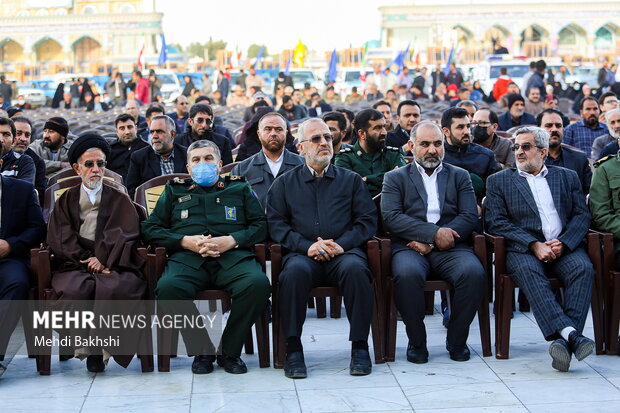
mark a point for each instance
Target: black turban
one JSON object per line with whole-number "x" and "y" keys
{"x": 85, "y": 142}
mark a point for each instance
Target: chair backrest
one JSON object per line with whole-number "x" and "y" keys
{"x": 53, "y": 192}
{"x": 227, "y": 168}
{"x": 149, "y": 192}
{"x": 380, "y": 224}
{"x": 69, "y": 173}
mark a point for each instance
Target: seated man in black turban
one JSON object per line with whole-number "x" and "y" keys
{"x": 94, "y": 231}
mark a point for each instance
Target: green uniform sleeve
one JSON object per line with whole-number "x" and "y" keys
{"x": 602, "y": 192}
{"x": 156, "y": 228}
{"x": 256, "y": 228}
{"x": 343, "y": 160}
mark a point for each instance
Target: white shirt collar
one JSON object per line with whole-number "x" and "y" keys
{"x": 423, "y": 171}
{"x": 543, "y": 173}
{"x": 92, "y": 193}
{"x": 313, "y": 172}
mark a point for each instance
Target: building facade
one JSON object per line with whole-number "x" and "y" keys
{"x": 39, "y": 37}
{"x": 574, "y": 30}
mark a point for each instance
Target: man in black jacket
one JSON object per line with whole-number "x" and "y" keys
{"x": 22, "y": 227}
{"x": 201, "y": 121}
{"x": 127, "y": 143}
{"x": 408, "y": 115}
{"x": 23, "y": 134}
{"x": 320, "y": 246}
{"x": 163, "y": 157}
{"x": 16, "y": 166}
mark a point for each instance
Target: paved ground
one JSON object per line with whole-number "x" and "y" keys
{"x": 525, "y": 383}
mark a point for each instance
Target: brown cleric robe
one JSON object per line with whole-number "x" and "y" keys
{"x": 110, "y": 231}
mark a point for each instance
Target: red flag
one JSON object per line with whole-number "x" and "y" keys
{"x": 140, "y": 56}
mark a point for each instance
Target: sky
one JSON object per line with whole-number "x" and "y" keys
{"x": 321, "y": 25}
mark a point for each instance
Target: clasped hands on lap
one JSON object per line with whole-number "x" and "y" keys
{"x": 207, "y": 245}
{"x": 324, "y": 250}
{"x": 547, "y": 251}
{"x": 445, "y": 238}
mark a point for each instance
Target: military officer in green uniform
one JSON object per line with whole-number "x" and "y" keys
{"x": 605, "y": 199}
{"x": 369, "y": 157}
{"x": 208, "y": 225}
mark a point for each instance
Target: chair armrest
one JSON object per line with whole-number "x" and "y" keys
{"x": 275, "y": 251}
{"x": 41, "y": 268}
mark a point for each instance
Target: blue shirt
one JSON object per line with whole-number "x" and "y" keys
{"x": 580, "y": 136}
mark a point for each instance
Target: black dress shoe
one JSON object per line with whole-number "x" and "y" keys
{"x": 360, "y": 363}
{"x": 95, "y": 364}
{"x": 458, "y": 353}
{"x": 232, "y": 365}
{"x": 294, "y": 366}
{"x": 580, "y": 345}
{"x": 417, "y": 355}
{"x": 202, "y": 364}
{"x": 560, "y": 353}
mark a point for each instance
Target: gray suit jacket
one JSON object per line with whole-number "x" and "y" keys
{"x": 512, "y": 212}
{"x": 404, "y": 203}
{"x": 257, "y": 172}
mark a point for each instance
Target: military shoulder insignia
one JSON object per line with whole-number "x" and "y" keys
{"x": 344, "y": 150}
{"x": 600, "y": 161}
{"x": 233, "y": 178}
{"x": 392, "y": 148}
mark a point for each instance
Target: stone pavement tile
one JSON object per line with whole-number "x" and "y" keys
{"x": 449, "y": 396}
{"x": 493, "y": 409}
{"x": 20, "y": 384}
{"x": 353, "y": 400}
{"x": 615, "y": 380}
{"x": 41, "y": 405}
{"x": 327, "y": 378}
{"x": 147, "y": 384}
{"x": 572, "y": 407}
{"x": 272, "y": 402}
{"x": 605, "y": 365}
{"x": 163, "y": 403}
{"x": 538, "y": 369}
{"x": 410, "y": 374}
{"x": 565, "y": 390}
{"x": 255, "y": 380}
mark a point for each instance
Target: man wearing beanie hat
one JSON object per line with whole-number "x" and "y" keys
{"x": 54, "y": 147}
{"x": 516, "y": 114}
{"x": 94, "y": 232}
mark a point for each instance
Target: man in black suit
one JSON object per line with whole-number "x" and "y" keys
{"x": 23, "y": 135}
{"x": 200, "y": 123}
{"x": 261, "y": 169}
{"x": 126, "y": 144}
{"x": 551, "y": 121}
{"x": 318, "y": 106}
{"x": 322, "y": 215}
{"x": 408, "y": 115}
{"x": 430, "y": 210}
{"x": 21, "y": 227}
{"x": 542, "y": 214}
{"x": 163, "y": 157}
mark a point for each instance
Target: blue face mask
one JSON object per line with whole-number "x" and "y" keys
{"x": 204, "y": 173}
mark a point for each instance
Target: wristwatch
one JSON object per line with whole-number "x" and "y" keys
{"x": 432, "y": 246}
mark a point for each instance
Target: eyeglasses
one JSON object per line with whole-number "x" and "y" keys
{"x": 317, "y": 139}
{"x": 91, "y": 164}
{"x": 206, "y": 121}
{"x": 525, "y": 146}
{"x": 481, "y": 124}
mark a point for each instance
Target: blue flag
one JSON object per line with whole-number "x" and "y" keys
{"x": 163, "y": 53}
{"x": 332, "y": 72}
{"x": 446, "y": 69}
{"x": 259, "y": 56}
{"x": 288, "y": 66}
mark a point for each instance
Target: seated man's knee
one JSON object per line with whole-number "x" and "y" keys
{"x": 169, "y": 289}
{"x": 260, "y": 285}
{"x": 295, "y": 271}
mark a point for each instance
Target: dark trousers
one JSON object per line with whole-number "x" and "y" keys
{"x": 459, "y": 267}
{"x": 246, "y": 284}
{"x": 577, "y": 274}
{"x": 348, "y": 272}
{"x": 14, "y": 285}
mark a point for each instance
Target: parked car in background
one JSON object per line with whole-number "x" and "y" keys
{"x": 584, "y": 74}
{"x": 171, "y": 87}
{"x": 488, "y": 72}
{"x": 36, "y": 97}
{"x": 349, "y": 77}
{"x": 47, "y": 86}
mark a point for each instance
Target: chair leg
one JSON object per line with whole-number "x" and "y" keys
{"x": 429, "y": 300}
{"x": 508, "y": 292}
{"x": 146, "y": 356}
{"x": 390, "y": 344}
{"x": 612, "y": 336}
{"x": 485, "y": 327}
{"x": 377, "y": 336}
{"x": 262, "y": 339}
{"x": 335, "y": 307}
{"x": 311, "y": 302}
{"x": 27, "y": 324}
{"x": 321, "y": 307}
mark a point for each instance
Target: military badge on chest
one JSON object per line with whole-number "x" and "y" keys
{"x": 231, "y": 213}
